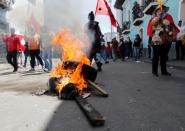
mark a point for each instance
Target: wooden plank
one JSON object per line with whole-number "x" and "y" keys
{"x": 94, "y": 117}
{"x": 95, "y": 86}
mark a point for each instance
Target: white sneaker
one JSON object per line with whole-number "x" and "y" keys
{"x": 138, "y": 61}
{"x": 31, "y": 70}
{"x": 44, "y": 69}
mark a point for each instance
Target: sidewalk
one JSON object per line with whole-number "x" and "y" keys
{"x": 177, "y": 64}
{"x": 135, "y": 96}
{"x": 5, "y": 66}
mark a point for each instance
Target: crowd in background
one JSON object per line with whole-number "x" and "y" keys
{"x": 33, "y": 47}
{"x": 123, "y": 48}
{"x": 37, "y": 47}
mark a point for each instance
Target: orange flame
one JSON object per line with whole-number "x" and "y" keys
{"x": 160, "y": 2}
{"x": 71, "y": 51}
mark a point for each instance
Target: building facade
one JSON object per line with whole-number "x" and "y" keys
{"x": 5, "y": 6}
{"x": 136, "y": 15}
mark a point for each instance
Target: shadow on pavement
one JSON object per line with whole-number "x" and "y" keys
{"x": 69, "y": 117}
{"x": 7, "y": 73}
{"x": 27, "y": 73}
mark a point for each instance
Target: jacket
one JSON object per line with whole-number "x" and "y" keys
{"x": 13, "y": 43}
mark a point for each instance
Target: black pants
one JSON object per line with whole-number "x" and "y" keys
{"x": 149, "y": 51}
{"x": 35, "y": 54}
{"x": 160, "y": 52}
{"x": 12, "y": 59}
{"x": 26, "y": 55}
{"x": 122, "y": 51}
{"x": 130, "y": 51}
{"x": 179, "y": 50}
{"x": 149, "y": 47}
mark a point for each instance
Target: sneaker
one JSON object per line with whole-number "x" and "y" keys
{"x": 44, "y": 69}
{"x": 106, "y": 62}
{"x": 31, "y": 70}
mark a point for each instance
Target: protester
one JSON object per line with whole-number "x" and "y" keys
{"x": 26, "y": 53}
{"x": 126, "y": 48}
{"x": 20, "y": 57}
{"x": 181, "y": 39}
{"x": 122, "y": 48}
{"x": 150, "y": 47}
{"x": 150, "y": 34}
{"x": 94, "y": 34}
{"x": 115, "y": 53}
{"x": 103, "y": 50}
{"x": 46, "y": 38}
{"x": 109, "y": 50}
{"x": 34, "y": 48}
{"x": 130, "y": 51}
{"x": 183, "y": 47}
{"x": 164, "y": 32}
{"x": 137, "y": 44}
{"x": 13, "y": 45}
{"x": 179, "y": 46}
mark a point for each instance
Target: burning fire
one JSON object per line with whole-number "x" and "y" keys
{"x": 160, "y": 2}
{"x": 71, "y": 51}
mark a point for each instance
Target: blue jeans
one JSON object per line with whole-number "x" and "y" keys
{"x": 103, "y": 54}
{"x": 114, "y": 54}
{"x": 47, "y": 57}
{"x": 136, "y": 53}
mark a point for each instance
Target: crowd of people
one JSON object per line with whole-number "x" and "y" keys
{"x": 34, "y": 46}
{"x": 115, "y": 49}
{"x": 162, "y": 32}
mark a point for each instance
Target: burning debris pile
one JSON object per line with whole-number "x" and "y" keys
{"x": 75, "y": 66}
{"x": 74, "y": 74}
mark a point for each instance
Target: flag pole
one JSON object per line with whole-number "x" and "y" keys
{"x": 110, "y": 2}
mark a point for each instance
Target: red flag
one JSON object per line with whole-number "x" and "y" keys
{"x": 33, "y": 22}
{"x": 103, "y": 8}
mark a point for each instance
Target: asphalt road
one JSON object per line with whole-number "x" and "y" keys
{"x": 137, "y": 101}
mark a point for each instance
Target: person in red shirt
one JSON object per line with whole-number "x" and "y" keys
{"x": 13, "y": 45}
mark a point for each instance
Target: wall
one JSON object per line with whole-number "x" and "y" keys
{"x": 174, "y": 6}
